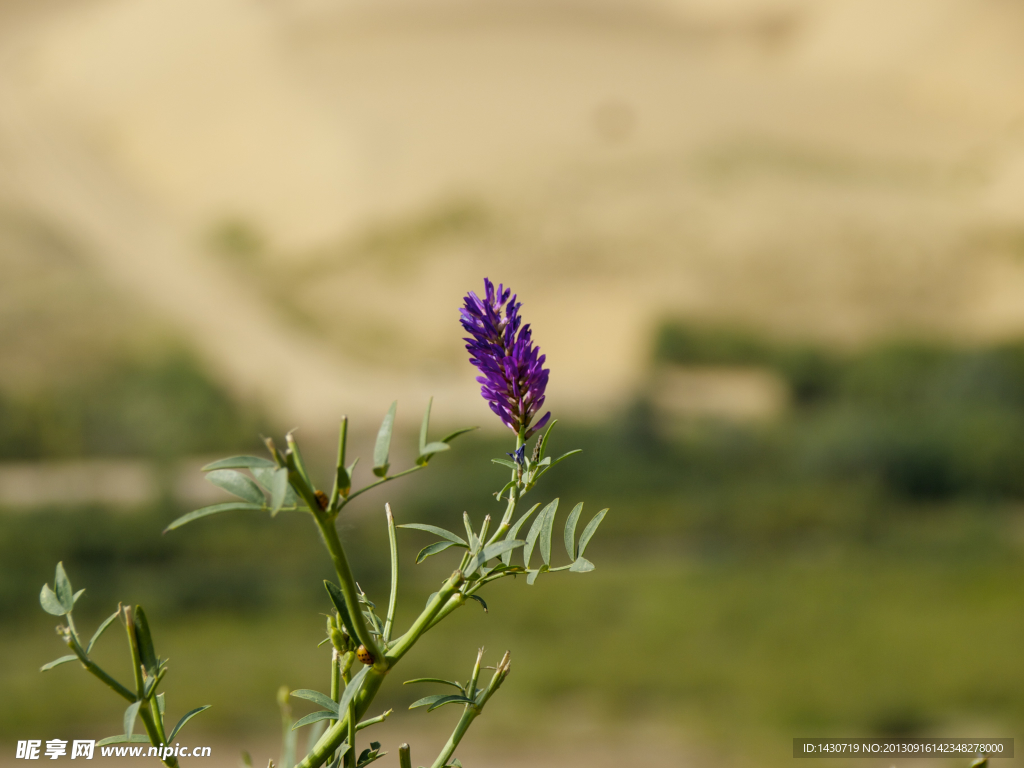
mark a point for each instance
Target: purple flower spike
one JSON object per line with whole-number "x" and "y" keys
{"x": 513, "y": 379}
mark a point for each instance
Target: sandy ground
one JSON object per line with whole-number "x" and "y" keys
{"x": 796, "y": 165}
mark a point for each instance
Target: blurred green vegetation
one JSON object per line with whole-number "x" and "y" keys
{"x": 853, "y": 567}
{"x": 162, "y": 406}
{"x": 923, "y": 421}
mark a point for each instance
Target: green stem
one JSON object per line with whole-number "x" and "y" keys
{"x": 513, "y": 499}
{"x": 404, "y": 756}
{"x": 347, "y": 583}
{"x": 155, "y": 732}
{"x": 340, "y": 470}
{"x": 476, "y": 673}
{"x": 133, "y": 645}
{"x": 293, "y": 447}
{"x": 71, "y": 626}
{"x": 153, "y": 725}
{"x": 472, "y": 711}
{"x": 424, "y": 621}
{"x": 468, "y": 716}
{"x": 335, "y": 680}
{"x": 455, "y": 601}
{"x": 350, "y": 755}
{"x": 336, "y": 734}
{"x": 393, "y": 601}
{"x": 115, "y": 686}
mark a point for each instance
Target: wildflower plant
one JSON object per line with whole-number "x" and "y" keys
{"x": 366, "y": 643}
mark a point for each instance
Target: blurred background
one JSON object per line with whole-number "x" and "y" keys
{"x": 773, "y": 249}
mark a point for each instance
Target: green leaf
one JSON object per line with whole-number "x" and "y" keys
{"x": 570, "y": 530}
{"x": 514, "y": 531}
{"x": 371, "y": 755}
{"x": 433, "y": 549}
{"x": 433, "y": 680}
{"x": 57, "y": 662}
{"x": 239, "y": 462}
{"x": 338, "y": 598}
{"x": 279, "y": 488}
{"x": 48, "y": 600}
{"x": 129, "y": 718}
{"x": 561, "y": 458}
{"x": 265, "y": 476}
{"x": 315, "y": 717}
{"x": 504, "y": 463}
{"x": 490, "y": 552}
{"x": 544, "y": 440}
{"x": 62, "y": 587}
{"x": 456, "y": 433}
{"x": 229, "y": 506}
{"x": 161, "y": 703}
{"x": 237, "y": 484}
{"x": 590, "y": 530}
{"x": 317, "y": 698}
{"x": 581, "y": 565}
{"x": 545, "y": 533}
{"x": 544, "y": 519}
{"x": 147, "y": 654}
{"x": 102, "y": 628}
{"x": 383, "y": 445}
{"x": 352, "y": 688}
{"x": 474, "y": 540}
{"x": 437, "y": 532}
{"x": 77, "y": 595}
{"x": 138, "y": 738}
{"x": 439, "y": 700}
{"x": 185, "y": 718}
{"x": 425, "y": 425}
{"x": 479, "y": 600}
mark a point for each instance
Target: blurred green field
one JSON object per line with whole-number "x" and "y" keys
{"x": 853, "y": 567}
{"x": 741, "y": 650}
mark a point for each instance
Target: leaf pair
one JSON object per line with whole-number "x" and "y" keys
{"x": 382, "y": 448}
{"x": 464, "y": 696}
{"x": 54, "y": 600}
{"x": 223, "y": 474}
{"x": 369, "y": 755}
{"x": 332, "y": 710}
{"x": 60, "y": 600}
{"x": 450, "y": 540}
{"x": 271, "y": 477}
{"x": 130, "y": 715}
{"x": 481, "y": 553}
{"x": 428, "y": 449}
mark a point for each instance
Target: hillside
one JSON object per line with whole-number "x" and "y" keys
{"x": 301, "y": 191}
